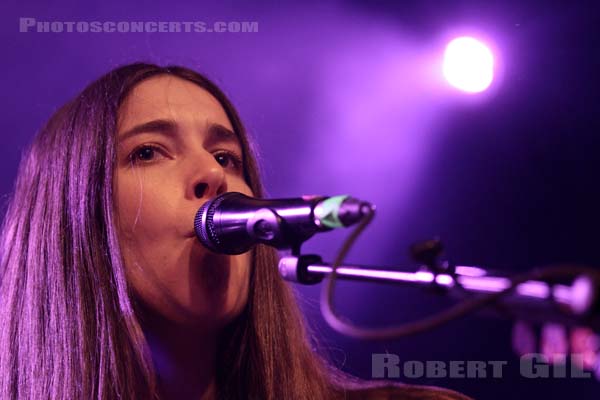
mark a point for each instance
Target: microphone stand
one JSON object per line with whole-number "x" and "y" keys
{"x": 536, "y": 301}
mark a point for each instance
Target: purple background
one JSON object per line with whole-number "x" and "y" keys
{"x": 344, "y": 98}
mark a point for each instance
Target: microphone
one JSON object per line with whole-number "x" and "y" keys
{"x": 232, "y": 222}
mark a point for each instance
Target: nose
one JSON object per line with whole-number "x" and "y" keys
{"x": 209, "y": 180}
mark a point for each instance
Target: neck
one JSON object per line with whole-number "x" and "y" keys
{"x": 184, "y": 358}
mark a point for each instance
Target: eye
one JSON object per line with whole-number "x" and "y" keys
{"x": 145, "y": 153}
{"x": 229, "y": 159}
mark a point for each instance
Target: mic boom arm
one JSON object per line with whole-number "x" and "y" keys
{"x": 532, "y": 300}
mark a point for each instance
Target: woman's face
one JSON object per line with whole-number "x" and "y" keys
{"x": 175, "y": 150}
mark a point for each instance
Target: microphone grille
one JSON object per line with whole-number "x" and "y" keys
{"x": 201, "y": 221}
{"x": 204, "y": 225}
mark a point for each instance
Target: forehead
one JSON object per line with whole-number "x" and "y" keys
{"x": 170, "y": 97}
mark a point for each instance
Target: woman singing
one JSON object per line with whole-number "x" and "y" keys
{"x": 105, "y": 291}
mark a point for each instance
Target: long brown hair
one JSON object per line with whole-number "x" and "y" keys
{"x": 69, "y": 325}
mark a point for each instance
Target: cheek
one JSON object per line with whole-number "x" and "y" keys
{"x": 237, "y": 184}
{"x": 126, "y": 208}
{"x": 143, "y": 207}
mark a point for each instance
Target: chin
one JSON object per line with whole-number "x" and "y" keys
{"x": 201, "y": 289}
{"x": 216, "y": 290}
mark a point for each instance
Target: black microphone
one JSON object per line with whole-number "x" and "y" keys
{"x": 232, "y": 223}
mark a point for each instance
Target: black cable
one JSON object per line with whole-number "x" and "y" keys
{"x": 459, "y": 310}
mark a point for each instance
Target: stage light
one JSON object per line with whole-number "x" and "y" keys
{"x": 468, "y": 65}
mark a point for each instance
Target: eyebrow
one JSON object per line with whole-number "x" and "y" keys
{"x": 216, "y": 133}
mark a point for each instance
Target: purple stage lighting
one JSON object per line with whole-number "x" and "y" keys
{"x": 468, "y": 65}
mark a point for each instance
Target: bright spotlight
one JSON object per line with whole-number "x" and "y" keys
{"x": 468, "y": 65}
